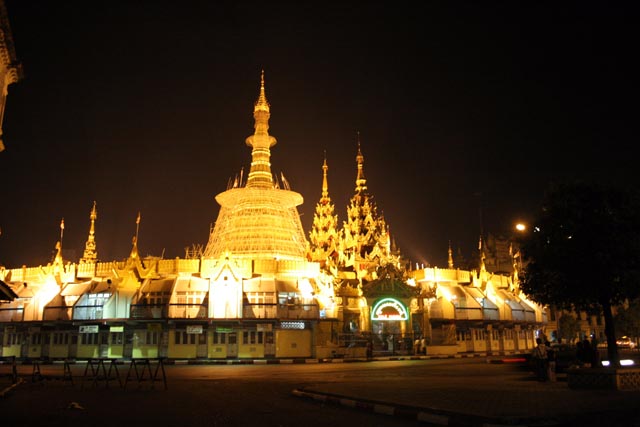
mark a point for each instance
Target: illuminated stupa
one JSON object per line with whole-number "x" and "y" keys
{"x": 259, "y": 219}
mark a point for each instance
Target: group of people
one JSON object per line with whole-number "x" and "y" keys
{"x": 420, "y": 346}
{"x": 544, "y": 358}
{"x": 587, "y": 353}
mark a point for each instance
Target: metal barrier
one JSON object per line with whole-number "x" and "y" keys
{"x": 35, "y": 372}
{"x": 139, "y": 367}
{"x": 96, "y": 371}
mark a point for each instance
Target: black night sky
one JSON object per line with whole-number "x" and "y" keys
{"x": 466, "y": 112}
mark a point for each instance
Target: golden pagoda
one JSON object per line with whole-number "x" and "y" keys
{"x": 259, "y": 218}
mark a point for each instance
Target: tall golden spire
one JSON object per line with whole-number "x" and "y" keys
{"x": 261, "y": 141}
{"x": 482, "y": 256}
{"x": 90, "y": 253}
{"x": 58, "y": 261}
{"x": 261, "y": 104}
{"x": 361, "y": 182}
{"x": 325, "y": 184}
{"x": 450, "y": 260}
{"x": 134, "y": 241}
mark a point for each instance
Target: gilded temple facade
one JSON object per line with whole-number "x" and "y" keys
{"x": 261, "y": 290}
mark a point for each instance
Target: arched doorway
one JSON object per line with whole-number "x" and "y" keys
{"x": 389, "y": 320}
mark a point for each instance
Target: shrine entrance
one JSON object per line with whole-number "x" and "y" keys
{"x": 389, "y": 320}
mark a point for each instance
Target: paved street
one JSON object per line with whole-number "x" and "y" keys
{"x": 461, "y": 391}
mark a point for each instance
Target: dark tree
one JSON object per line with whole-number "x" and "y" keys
{"x": 568, "y": 327}
{"x": 628, "y": 320}
{"x": 583, "y": 251}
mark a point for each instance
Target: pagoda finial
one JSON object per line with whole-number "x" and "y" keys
{"x": 325, "y": 184}
{"x": 260, "y": 171}
{"x": 61, "y": 231}
{"x": 261, "y": 104}
{"x": 137, "y": 224}
{"x": 450, "y": 260}
{"x": 482, "y": 256}
{"x": 134, "y": 241}
{"x": 90, "y": 254}
{"x": 361, "y": 182}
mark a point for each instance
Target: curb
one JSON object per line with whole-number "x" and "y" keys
{"x": 280, "y": 361}
{"x": 9, "y": 389}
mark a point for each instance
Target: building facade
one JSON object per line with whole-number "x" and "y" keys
{"x": 261, "y": 290}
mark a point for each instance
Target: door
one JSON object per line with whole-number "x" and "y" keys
{"x": 232, "y": 345}
{"x": 201, "y": 349}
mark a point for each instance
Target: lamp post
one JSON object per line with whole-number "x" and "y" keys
{"x": 520, "y": 228}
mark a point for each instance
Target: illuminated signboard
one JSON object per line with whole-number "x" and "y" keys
{"x": 292, "y": 325}
{"x": 89, "y": 329}
{"x": 388, "y": 309}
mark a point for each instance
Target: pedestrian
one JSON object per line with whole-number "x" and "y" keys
{"x": 587, "y": 353}
{"x": 552, "y": 356}
{"x": 595, "y": 354}
{"x": 540, "y": 360}
{"x": 579, "y": 354}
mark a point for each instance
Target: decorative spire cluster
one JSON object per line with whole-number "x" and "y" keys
{"x": 324, "y": 236}
{"x": 364, "y": 243}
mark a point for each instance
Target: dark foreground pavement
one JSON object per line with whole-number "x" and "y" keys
{"x": 495, "y": 394}
{"x": 498, "y": 395}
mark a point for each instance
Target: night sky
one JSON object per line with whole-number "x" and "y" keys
{"x": 466, "y": 112}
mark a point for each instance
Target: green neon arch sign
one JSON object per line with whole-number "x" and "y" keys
{"x": 389, "y": 309}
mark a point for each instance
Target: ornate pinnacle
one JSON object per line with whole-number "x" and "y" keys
{"x": 325, "y": 185}
{"x": 261, "y": 104}
{"x": 361, "y": 182}
{"x": 90, "y": 254}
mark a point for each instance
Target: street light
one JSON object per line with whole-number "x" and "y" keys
{"x": 520, "y": 229}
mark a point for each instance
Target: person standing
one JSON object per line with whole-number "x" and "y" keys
{"x": 540, "y": 359}
{"x": 587, "y": 353}
{"x": 552, "y": 355}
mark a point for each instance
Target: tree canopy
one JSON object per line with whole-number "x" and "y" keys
{"x": 583, "y": 250}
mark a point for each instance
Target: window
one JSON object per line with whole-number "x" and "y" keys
{"x": 116, "y": 338}
{"x": 261, "y": 297}
{"x": 156, "y": 298}
{"x": 252, "y": 337}
{"x": 182, "y": 337}
{"x": 13, "y": 338}
{"x": 89, "y": 339}
{"x": 190, "y": 297}
{"x": 147, "y": 337}
{"x": 219, "y": 338}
